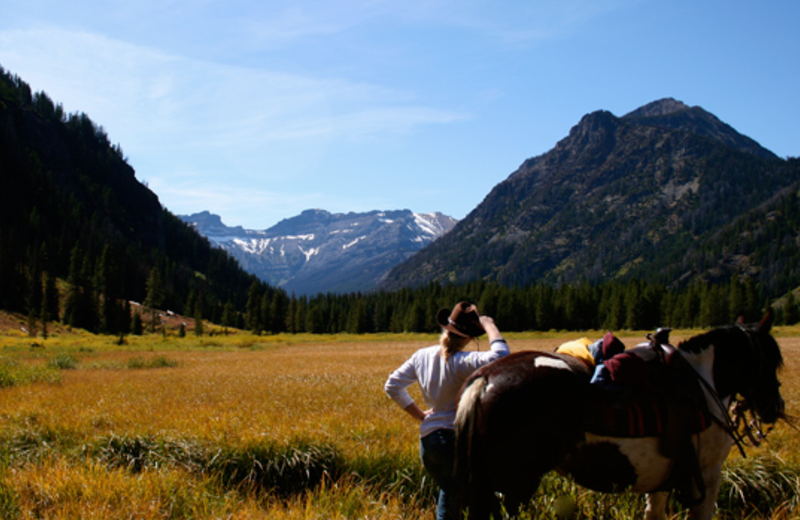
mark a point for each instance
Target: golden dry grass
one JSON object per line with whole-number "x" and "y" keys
{"x": 236, "y": 391}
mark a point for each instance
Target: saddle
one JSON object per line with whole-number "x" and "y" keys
{"x": 654, "y": 393}
{"x": 643, "y": 391}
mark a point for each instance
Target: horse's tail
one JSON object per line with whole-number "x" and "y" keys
{"x": 468, "y": 462}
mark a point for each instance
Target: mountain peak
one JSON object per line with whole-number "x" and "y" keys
{"x": 205, "y": 218}
{"x": 675, "y": 115}
{"x": 617, "y": 198}
{"x": 661, "y": 107}
{"x": 210, "y": 224}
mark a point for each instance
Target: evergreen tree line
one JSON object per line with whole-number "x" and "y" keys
{"x": 632, "y": 305}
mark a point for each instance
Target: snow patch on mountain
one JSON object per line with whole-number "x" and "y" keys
{"x": 318, "y": 252}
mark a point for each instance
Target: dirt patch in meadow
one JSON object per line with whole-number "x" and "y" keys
{"x": 12, "y": 323}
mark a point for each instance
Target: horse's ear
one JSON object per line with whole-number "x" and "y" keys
{"x": 766, "y": 323}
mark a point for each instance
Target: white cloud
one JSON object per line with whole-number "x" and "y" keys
{"x": 181, "y": 118}
{"x": 151, "y": 97}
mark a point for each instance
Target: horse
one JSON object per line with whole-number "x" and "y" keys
{"x": 531, "y": 412}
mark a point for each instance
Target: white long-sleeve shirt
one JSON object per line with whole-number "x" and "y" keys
{"x": 439, "y": 379}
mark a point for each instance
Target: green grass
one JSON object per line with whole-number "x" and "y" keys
{"x": 63, "y": 361}
{"x": 752, "y": 488}
{"x": 156, "y": 362}
{"x": 14, "y": 372}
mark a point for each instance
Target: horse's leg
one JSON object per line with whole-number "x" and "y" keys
{"x": 482, "y": 503}
{"x": 515, "y": 499}
{"x": 705, "y": 510}
{"x": 714, "y": 446}
{"x": 506, "y": 478}
{"x": 656, "y": 506}
{"x": 516, "y": 489}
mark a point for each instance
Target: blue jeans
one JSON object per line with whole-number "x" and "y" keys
{"x": 437, "y": 451}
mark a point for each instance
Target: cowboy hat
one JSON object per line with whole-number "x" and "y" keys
{"x": 463, "y": 320}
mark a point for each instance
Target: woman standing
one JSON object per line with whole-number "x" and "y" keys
{"x": 440, "y": 370}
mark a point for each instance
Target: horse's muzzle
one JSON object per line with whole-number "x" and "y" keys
{"x": 773, "y": 414}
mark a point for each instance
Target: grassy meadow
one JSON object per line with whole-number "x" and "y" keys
{"x": 283, "y": 427}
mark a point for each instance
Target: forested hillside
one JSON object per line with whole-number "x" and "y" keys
{"x": 667, "y": 194}
{"x": 71, "y": 209}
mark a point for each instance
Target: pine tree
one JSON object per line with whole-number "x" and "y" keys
{"x": 253, "y": 308}
{"x": 79, "y": 308}
{"x": 314, "y": 318}
{"x": 615, "y": 317}
{"x": 633, "y": 307}
{"x": 104, "y": 277}
{"x": 90, "y": 318}
{"x": 358, "y": 316}
{"x": 34, "y": 300}
{"x": 736, "y": 300}
{"x": 291, "y": 328}
{"x": 278, "y": 306}
{"x": 198, "y": 320}
{"x": 124, "y": 319}
{"x": 266, "y": 309}
{"x": 752, "y": 307}
{"x": 155, "y": 295}
{"x": 545, "y": 308}
{"x": 50, "y": 304}
{"x": 300, "y": 314}
{"x": 228, "y": 316}
{"x": 137, "y": 328}
{"x": 44, "y": 317}
{"x": 415, "y": 318}
{"x": 791, "y": 312}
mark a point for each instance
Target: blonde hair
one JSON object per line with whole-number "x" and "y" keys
{"x": 452, "y": 343}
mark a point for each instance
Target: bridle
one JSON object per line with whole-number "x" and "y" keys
{"x": 745, "y": 430}
{"x": 734, "y": 418}
{"x": 750, "y": 430}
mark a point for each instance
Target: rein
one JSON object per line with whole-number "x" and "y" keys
{"x": 735, "y": 426}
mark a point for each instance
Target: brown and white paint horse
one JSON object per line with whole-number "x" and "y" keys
{"x": 524, "y": 415}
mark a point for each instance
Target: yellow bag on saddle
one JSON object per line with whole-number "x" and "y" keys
{"x": 579, "y": 349}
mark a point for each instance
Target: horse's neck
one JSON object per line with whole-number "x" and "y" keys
{"x": 703, "y": 363}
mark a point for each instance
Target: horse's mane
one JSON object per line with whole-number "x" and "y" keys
{"x": 701, "y": 342}
{"x": 751, "y": 338}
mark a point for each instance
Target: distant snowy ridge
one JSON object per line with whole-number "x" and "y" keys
{"x": 319, "y": 252}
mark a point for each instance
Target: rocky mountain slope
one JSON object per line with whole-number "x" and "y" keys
{"x": 646, "y": 195}
{"x": 319, "y": 252}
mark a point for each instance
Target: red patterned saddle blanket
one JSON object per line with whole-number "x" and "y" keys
{"x": 648, "y": 397}
{"x": 617, "y": 416}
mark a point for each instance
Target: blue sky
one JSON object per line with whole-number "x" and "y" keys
{"x": 257, "y": 110}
